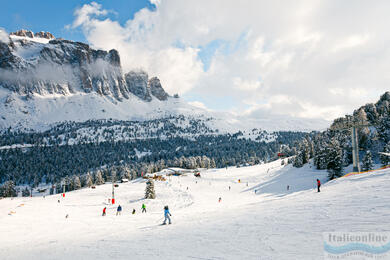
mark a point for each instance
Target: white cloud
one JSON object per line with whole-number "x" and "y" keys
{"x": 351, "y": 42}
{"x": 246, "y": 85}
{"x": 198, "y": 104}
{"x": 4, "y": 37}
{"x": 327, "y": 57}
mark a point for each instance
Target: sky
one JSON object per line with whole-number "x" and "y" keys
{"x": 300, "y": 58}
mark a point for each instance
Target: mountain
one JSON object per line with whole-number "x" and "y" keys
{"x": 67, "y": 109}
{"x": 45, "y": 81}
{"x": 63, "y": 67}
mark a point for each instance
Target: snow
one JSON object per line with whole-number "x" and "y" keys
{"x": 6, "y": 147}
{"x": 42, "y": 111}
{"x": 141, "y": 154}
{"x": 272, "y": 224}
{"x": 35, "y": 39}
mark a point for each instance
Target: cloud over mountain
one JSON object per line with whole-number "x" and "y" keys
{"x": 307, "y": 52}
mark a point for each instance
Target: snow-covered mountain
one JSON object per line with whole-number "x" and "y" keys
{"x": 45, "y": 81}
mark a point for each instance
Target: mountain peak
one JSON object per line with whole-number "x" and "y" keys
{"x": 33, "y": 65}
{"x": 30, "y": 34}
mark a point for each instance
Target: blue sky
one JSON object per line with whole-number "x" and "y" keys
{"x": 54, "y": 15}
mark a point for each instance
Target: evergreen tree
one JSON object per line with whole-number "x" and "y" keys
{"x": 298, "y": 160}
{"x": 76, "y": 183}
{"x": 149, "y": 191}
{"x": 367, "y": 163}
{"x": 385, "y": 159}
{"x": 88, "y": 181}
{"x": 26, "y": 192}
{"x": 99, "y": 178}
{"x": 8, "y": 189}
{"x": 334, "y": 159}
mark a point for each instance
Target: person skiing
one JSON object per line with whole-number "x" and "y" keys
{"x": 104, "y": 211}
{"x": 219, "y": 200}
{"x": 133, "y": 212}
{"x": 318, "y": 185}
{"x": 143, "y": 208}
{"x": 229, "y": 187}
{"x": 167, "y": 215}
{"x": 119, "y": 210}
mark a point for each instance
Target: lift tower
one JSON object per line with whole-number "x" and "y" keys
{"x": 352, "y": 124}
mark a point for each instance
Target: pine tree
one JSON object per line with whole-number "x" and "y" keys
{"x": 99, "y": 178}
{"x": 149, "y": 191}
{"x": 298, "y": 160}
{"x": 89, "y": 181}
{"x": 385, "y": 159}
{"x": 26, "y": 192}
{"x": 367, "y": 163}
{"x": 76, "y": 183}
{"x": 212, "y": 163}
{"x": 8, "y": 189}
{"x": 334, "y": 159}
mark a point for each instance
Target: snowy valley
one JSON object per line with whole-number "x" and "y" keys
{"x": 271, "y": 223}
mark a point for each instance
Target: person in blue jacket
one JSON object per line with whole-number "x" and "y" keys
{"x": 119, "y": 210}
{"x": 167, "y": 215}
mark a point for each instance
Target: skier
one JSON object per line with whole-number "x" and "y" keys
{"x": 133, "y": 212}
{"x": 143, "y": 208}
{"x": 229, "y": 187}
{"x": 119, "y": 210}
{"x": 167, "y": 215}
{"x": 219, "y": 200}
{"x": 288, "y": 187}
{"x": 104, "y": 211}
{"x": 318, "y": 185}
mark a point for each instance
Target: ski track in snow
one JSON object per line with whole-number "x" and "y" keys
{"x": 272, "y": 224}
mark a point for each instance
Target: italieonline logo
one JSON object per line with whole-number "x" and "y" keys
{"x": 357, "y": 245}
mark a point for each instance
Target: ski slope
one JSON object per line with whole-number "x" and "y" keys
{"x": 271, "y": 223}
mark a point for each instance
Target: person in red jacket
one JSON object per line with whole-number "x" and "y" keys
{"x": 318, "y": 185}
{"x": 104, "y": 211}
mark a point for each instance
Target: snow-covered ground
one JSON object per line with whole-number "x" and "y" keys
{"x": 42, "y": 112}
{"x": 271, "y": 223}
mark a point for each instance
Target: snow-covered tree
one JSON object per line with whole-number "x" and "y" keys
{"x": 8, "y": 189}
{"x": 99, "y": 178}
{"x": 88, "y": 180}
{"x": 299, "y": 159}
{"x": 334, "y": 159}
{"x": 76, "y": 183}
{"x": 26, "y": 192}
{"x": 367, "y": 163}
{"x": 385, "y": 159}
{"x": 149, "y": 191}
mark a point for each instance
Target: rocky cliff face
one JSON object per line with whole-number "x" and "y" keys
{"x": 63, "y": 67}
{"x": 30, "y": 34}
{"x": 156, "y": 89}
